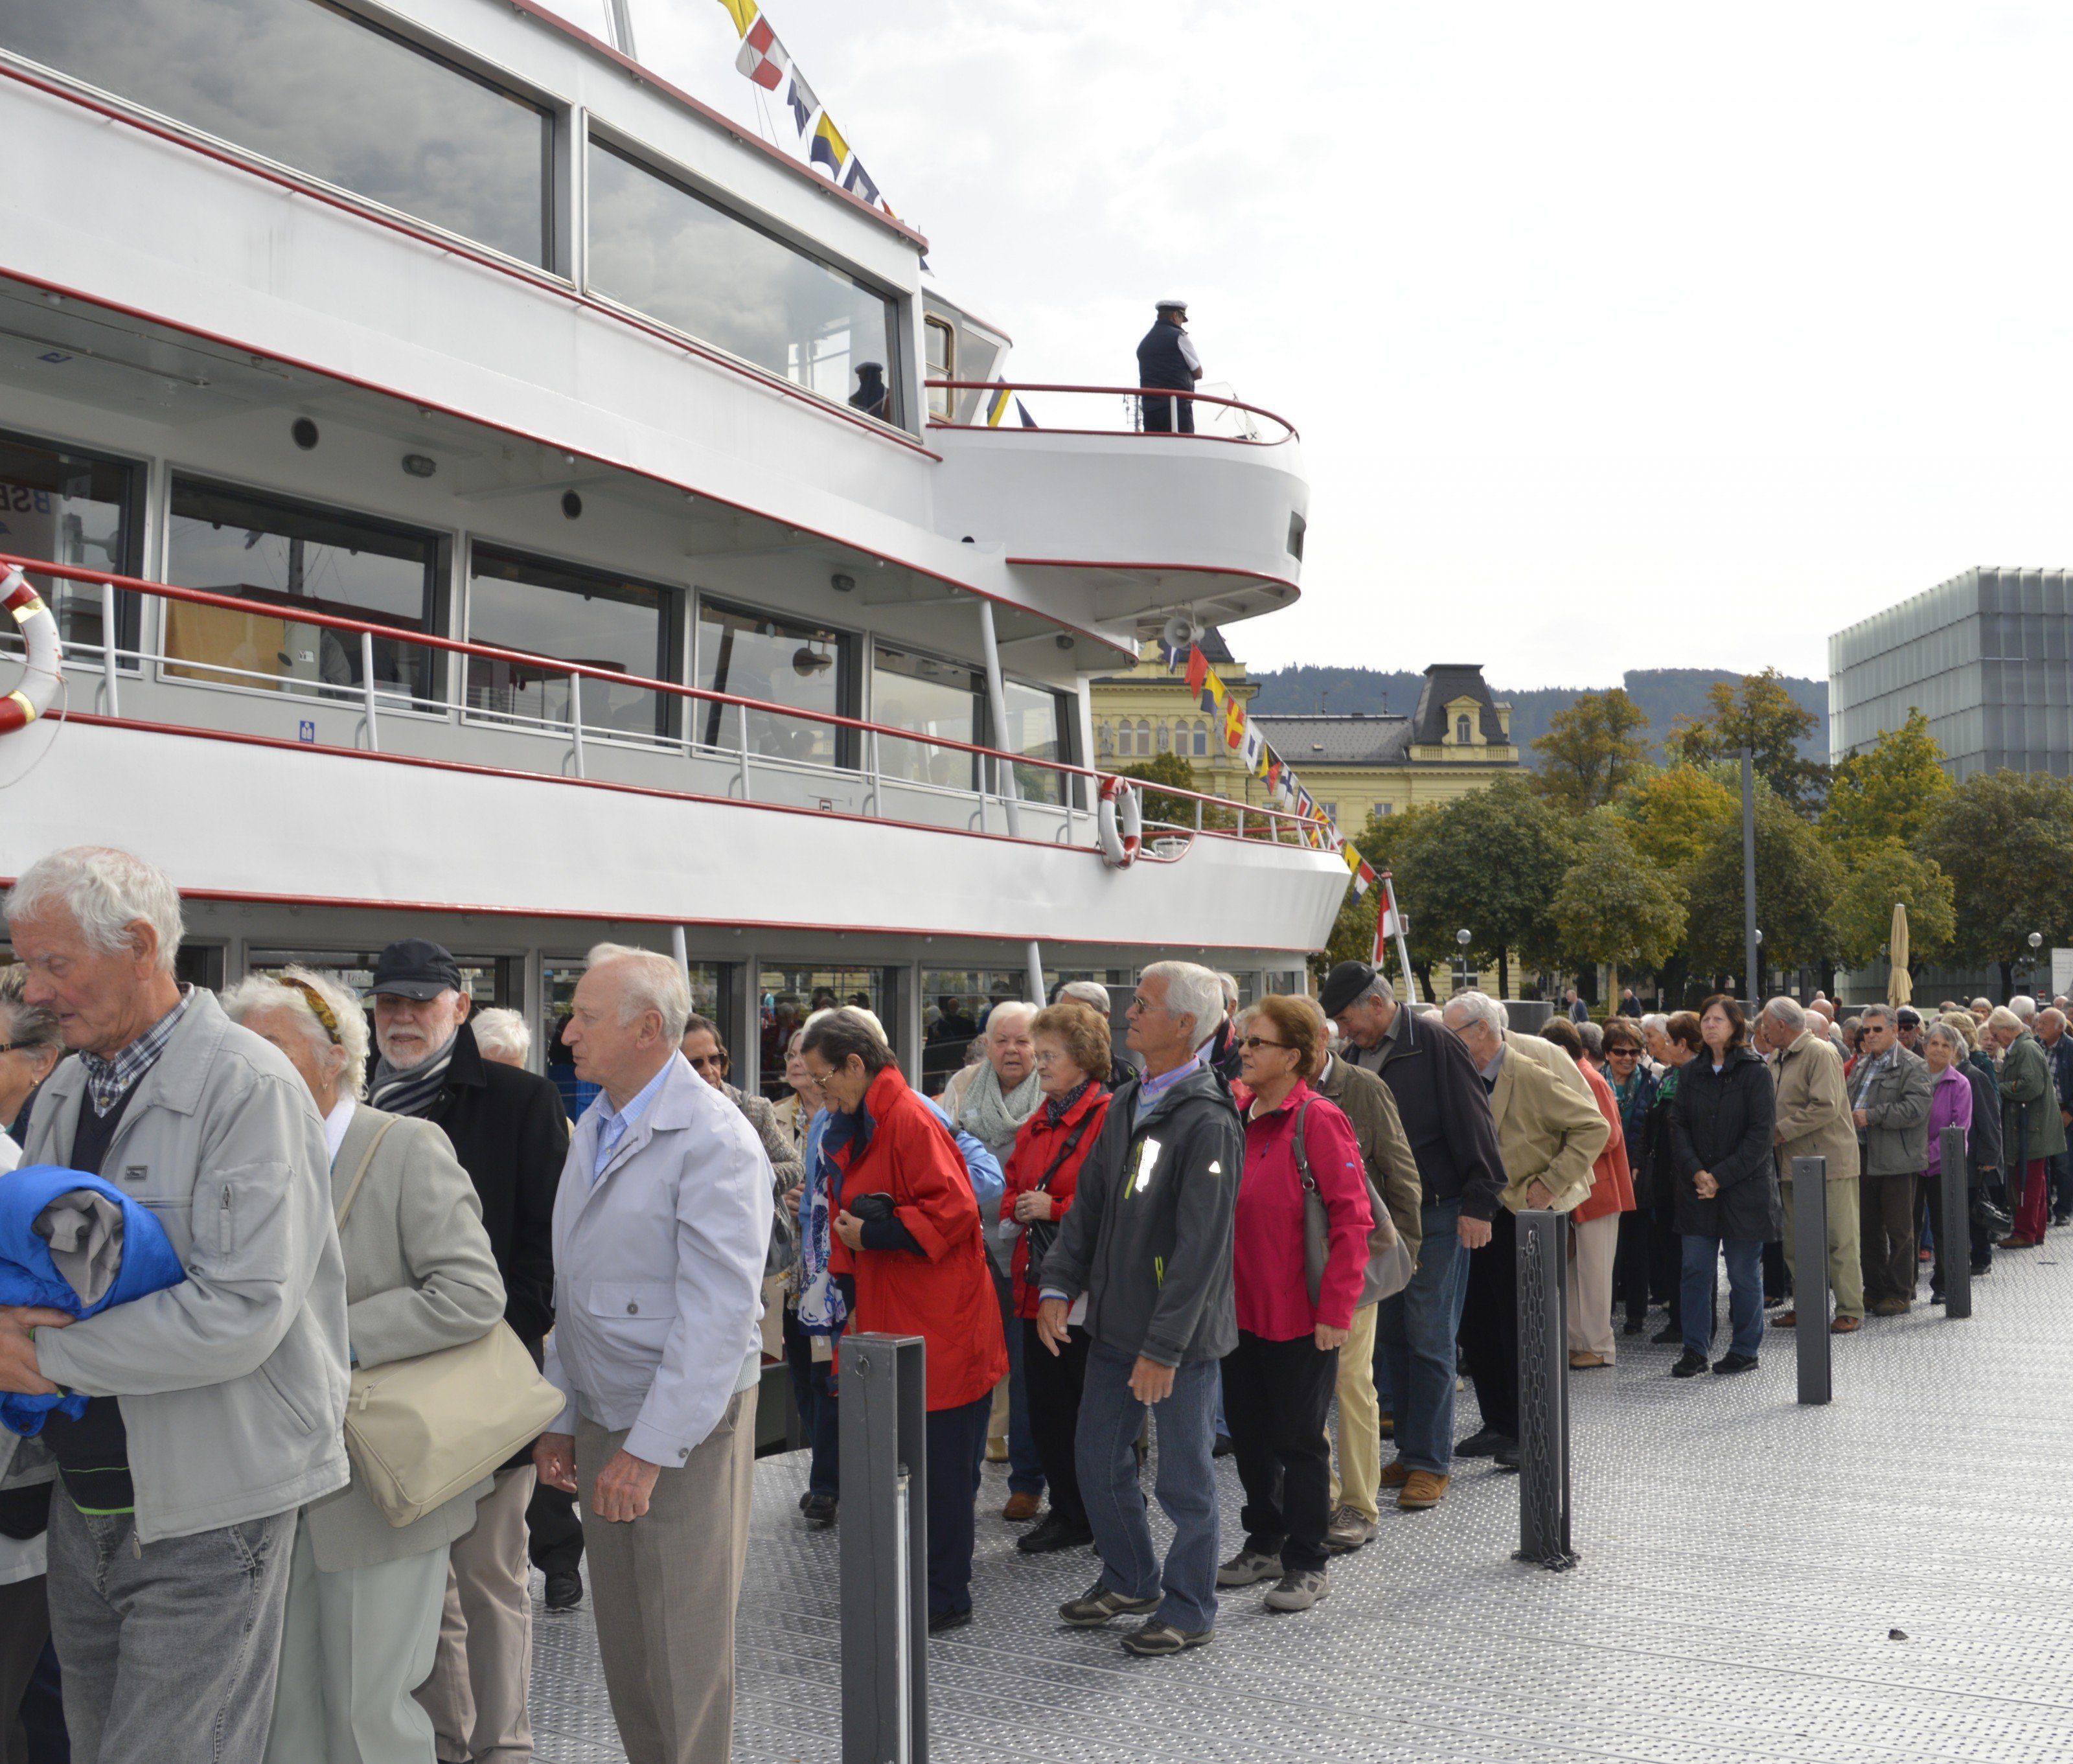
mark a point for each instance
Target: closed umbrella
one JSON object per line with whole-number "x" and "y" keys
{"x": 1899, "y": 987}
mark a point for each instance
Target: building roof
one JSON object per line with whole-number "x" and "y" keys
{"x": 1360, "y": 738}
{"x": 1444, "y": 682}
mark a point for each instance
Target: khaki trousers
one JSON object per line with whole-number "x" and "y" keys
{"x": 476, "y": 1694}
{"x": 1357, "y": 1470}
{"x": 1594, "y": 1246}
{"x": 1846, "y": 1267}
{"x": 664, "y": 1587}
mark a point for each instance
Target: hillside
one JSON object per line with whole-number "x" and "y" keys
{"x": 1664, "y": 693}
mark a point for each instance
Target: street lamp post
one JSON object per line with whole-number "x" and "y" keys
{"x": 1464, "y": 936}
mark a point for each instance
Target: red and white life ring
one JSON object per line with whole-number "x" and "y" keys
{"x": 39, "y": 627}
{"x": 1120, "y": 822}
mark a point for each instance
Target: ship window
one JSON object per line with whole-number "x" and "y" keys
{"x": 776, "y": 661}
{"x": 1036, "y": 725}
{"x": 71, "y": 507}
{"x": 955, "y": 1004}
{"x": 918, "y": 692}
{"x": 942, "y": 347}
{"x": 570, "y": 614}
{"x": 315, "y": 87}
{"x": 659, "y": 248}
{"x": 298, "y": 556}
{"x": 787, "y": 995}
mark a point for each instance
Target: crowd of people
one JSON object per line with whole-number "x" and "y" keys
{"x": 1212, "y": 1239}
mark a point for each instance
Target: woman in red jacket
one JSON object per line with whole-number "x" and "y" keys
{"x": 908, "y": 1236}
{"x": 1072, "y": 1043}
{"x": 1594, "y": 1225}
{"x": 1279, "y": 1380}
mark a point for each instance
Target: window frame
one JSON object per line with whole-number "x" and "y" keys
{"x": 135, "y": 516}
{"x": 849, "y": 684}
{"x": 932, "y": 321}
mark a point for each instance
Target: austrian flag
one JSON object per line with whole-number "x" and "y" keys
{"x": 762, "y": 56}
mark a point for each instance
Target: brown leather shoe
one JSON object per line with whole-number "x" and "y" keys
{"x": 1786, "y": 1320}
{"x": 1423, "y": 1490}
{"x": 2014, "y": 1242}
{"x": 1020, "y": 1507}
{"x": 1888, "y": 1307}
{"x": 1395, "y": 1473}
{"x": 1582, "y": 1361}
{"x": 1845, "y": 1325}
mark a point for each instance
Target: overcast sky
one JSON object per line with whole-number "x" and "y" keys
{"x": 1619, "y": 335}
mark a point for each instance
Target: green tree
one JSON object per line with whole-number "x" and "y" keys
{"x": 2006, "y": 842}
{"x": 1797, "y": 879}
{"x": 1592, "y": 751}
{"x": 1672, "y": 815}
{"x": 1761, "y": 715}
{"x": 1860, "y": 919}
{"x": 1615, "y": 906}
{"x": 1390, "y": 842}
{"x": 1890, "y": 791}
{"x": 1171, "y": 769}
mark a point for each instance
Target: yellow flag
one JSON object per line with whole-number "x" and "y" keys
{"x": 1217, "y": 693}
{"x": 743, "y": 12}
{"x": 829, "y": 148}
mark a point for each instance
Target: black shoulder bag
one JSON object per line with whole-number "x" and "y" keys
{"x": 1043, "y": 1233}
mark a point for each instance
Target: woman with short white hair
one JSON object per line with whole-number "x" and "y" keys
{"x": 365, "y": 1597}
{"x": 502, "y": 1034}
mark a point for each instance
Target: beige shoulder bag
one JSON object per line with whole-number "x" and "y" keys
{"x": 421, "y": 1431}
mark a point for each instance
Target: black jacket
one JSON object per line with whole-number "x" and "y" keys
{"x": 1983, "y": 1145}
{"x": 1445, "y": 1111}
{"x": 1722, "y": 1122}
{"x": 1148, "y": 1235}
{"x": 509, "y": 1133}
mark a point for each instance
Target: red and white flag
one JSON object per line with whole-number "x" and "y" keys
{"x": 762, "y": 57}
{"x": 1388, "y": 923}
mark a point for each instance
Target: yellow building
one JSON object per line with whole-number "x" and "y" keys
{"x": 1149, "y": 711}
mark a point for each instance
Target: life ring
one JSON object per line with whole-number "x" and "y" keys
{"x": 1120, "y": 822}
{"x": 39, "y": 627}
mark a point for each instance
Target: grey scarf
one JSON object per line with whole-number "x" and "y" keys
{"x": 414, "y": 1090}
{"x": 993, "y": 1116}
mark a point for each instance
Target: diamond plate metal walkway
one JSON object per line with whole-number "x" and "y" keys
{"x": 1743, "y": 1562}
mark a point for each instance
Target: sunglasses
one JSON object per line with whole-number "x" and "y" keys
{"x": 1252, "y": 1041}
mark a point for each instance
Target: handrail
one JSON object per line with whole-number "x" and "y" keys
{"x": 1290, "y": 434}
{"x": 555, "y": 666}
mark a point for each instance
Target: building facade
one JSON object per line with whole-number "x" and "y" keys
{"x": 1149, "y": 711}
{"x": 1987, "y": 656}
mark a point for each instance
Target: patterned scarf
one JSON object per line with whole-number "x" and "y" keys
{"x": 1056, "y": 1108}
{"x": 993, "y": 1116}
{"x": 414, "y": 1090}
{"x": 823, "y": 1309}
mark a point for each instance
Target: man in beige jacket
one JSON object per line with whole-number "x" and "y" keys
{"x": 1550, "y": 1135}
{"x": 1813, "y": 1121}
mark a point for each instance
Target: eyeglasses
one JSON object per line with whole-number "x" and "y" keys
{"x": 1138, "y": 1002}
{"x": 1622, "y": 1053}
{"x": 1252, "y": 1041}
{"x": 13, "y": 1047}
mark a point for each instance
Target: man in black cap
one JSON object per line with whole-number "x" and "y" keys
{"x": 1446, "y": 1116}
{"x": 872, "y": 396}
{"x": 1167, "y": 357}
{"x": 510, "y": 1134}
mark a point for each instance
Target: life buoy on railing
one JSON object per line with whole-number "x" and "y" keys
{"x": 1120, "y": 822}
{"x": 39, "y": 627}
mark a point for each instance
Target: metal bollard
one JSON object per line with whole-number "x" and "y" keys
{"x": 1543, "y": 1391}
{"x": 1954, "y": 1229}
{"x": 1810, "y": 1276}
{"x": 884, "y": 1550}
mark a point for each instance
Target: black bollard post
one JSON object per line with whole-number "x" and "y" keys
{"x": 884, "y": 1550}
{"x": 1810, "y": 1278}
{"x": 1543, "y": 1390}
{"x": 1954, "y": 1229}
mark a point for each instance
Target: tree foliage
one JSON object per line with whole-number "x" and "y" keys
{"x": 1860, "y": 919}
{"x": 1171, "y": 768}
{"x": 1615, "y": 906}
{"x": 1672, "y": 815}
{"x": 1889, "y": 792}
{"x": 1797, "y": 879}
{"x": 2005, "y": 841}
{"x": 1759, "y": 714}
{"x": 1592, "y": 751}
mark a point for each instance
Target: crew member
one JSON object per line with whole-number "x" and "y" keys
{"x": 1167, "y": 357}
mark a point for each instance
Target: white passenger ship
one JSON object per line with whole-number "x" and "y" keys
{"x": 439, "y": 429}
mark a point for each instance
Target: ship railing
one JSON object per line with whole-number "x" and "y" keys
{"x": 1112, "y": 410}
{"x": 398, "y": 698}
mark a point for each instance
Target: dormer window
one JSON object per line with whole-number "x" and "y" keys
{"x": 1461, "y": 737}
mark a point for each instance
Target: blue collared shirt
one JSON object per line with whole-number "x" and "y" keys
{"x": 613, "y": 1127}
{"x": 1149, "y": 1090}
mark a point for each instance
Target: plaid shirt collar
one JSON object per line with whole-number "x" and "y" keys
{"x": 108, "y": 1080}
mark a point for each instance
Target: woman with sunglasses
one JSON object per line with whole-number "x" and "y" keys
{"x": 1279, "y": 1380}
{"x": 1634, "y": 1094}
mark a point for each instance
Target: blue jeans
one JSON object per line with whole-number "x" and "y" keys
{"x": 1414, "y": 1342}
{"x": 1025, "y": 1464}
{"x": 1745, "y": 1294}
{"x": 1110, "y": 1418}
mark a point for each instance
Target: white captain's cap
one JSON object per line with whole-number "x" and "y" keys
{"x": 1171, "y": 306}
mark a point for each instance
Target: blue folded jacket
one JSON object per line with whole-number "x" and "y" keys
{"x": 72, "y": 1242}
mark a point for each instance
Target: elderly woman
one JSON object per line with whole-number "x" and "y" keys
{"x": 992, "y": 1104}
{"x": 1951, "y": 1104}
{"x": 1279, "y": 1380}
{"x": 910, "y": 1244}
{"x": 30, "y": 1049}
{"x": 365, "y": 1597}
{"x": 1595, "y": 1221}
{"x": 500, "y": 1034}
{"x": 795, "y": 1111}
{"x": 1633, "y": 1086}
{"x": 1072, "y": 1044}
{"x": 1721, "y": 1130}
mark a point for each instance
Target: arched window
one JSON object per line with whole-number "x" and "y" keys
{"x": 1201, "y": 738}
{"x": 1461, "y": 735}
{"x": 1144, "y": 737}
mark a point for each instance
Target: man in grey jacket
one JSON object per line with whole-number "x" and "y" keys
{"x": 1148, "y": 1244}
{"x": 216, "y": 1406}
{"x": 1890, "y": 1098}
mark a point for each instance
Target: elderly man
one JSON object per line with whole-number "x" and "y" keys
{"x": 215, "y": 1407}
{"x": 1890, "y": 1098}
{"x": 2049, "y": 1027}
{"x": 1549, "y": 1137}
{"x": 1446, "y": 1117}
{"x": 510, "y": 1134}
{"x": 1907, "y": 1025}
{"x": 1813, "y": 1121}
{"x": 2032, "y": 1130}
{"x": 1147, "y": 1242}
{"x": 661, "y": 1229}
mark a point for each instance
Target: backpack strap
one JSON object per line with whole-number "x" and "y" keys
{"x": 359, "y": 1175}
{"x": 1302, "y": 1156}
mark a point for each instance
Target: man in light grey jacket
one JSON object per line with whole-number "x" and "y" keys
{"x": 216, "y": 1406}
{"x": 1890, "y": 1098}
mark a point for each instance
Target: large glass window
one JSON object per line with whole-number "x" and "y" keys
{"x": 1036, "y": 730}
{"x": 314, "y": 86}
{"x": 918, "y": 692}
{"x": 657, "y": 248}
{"x": 71, "y": 507}
{"x": 489, "y": 980}
{"x": 788, "y": 995}
{"x": 571, "y": 614}
{"x": 776, "y": 661}
{"x": 296, "y": 556}
{"x": 955, "y": 1004}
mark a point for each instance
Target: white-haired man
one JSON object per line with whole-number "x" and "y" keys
{"x": 215, "y": 1407}
{"x": 661, "y": 1228}
{"x": 2057, "y": 1045}
{"x": 1813, "y": 1121}
{"x": 2033, "y": 1131}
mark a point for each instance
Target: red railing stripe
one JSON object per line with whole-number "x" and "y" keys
{"x": 1105, "y": 391}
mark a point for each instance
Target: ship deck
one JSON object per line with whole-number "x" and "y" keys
{"x": 1746, "y": 1566}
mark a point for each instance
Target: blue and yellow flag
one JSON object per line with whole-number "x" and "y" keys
{"x": 829, "y": 149}
{"x": 996, "y": 406}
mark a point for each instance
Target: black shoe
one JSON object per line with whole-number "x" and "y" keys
{"x": 1223, "y": 1447}
{"x": 1690, "y": 1365}
{"x": 564, "y": 1591}
{"x": 1054, "y": 1532}
{"x": 1635, "y": 1326}
{"x": 806, "y": 1500}
{"x": 1505, "y": 1456}
{"x": 940, "y": 1620}
{"x": 1936, "y": 1295}
{"x": 1481, "y": 1445}
{"x": 1981, "y": 1269}
{"x": 1669, "y": 1332}
{"x": 1734, "y": 1362}
{"x": 820, "y": 1510}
